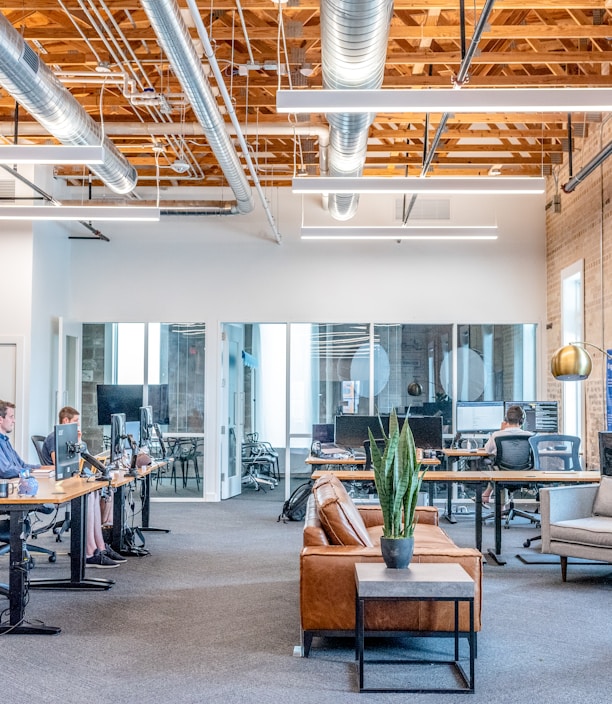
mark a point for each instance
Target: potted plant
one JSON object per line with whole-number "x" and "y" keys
{"x": 398, "y": 476}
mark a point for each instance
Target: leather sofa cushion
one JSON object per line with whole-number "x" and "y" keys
{"x": 602, "y": 506}
{"x": 339, "y": 517}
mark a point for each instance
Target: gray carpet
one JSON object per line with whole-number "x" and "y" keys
{"x": 212, "y": 616}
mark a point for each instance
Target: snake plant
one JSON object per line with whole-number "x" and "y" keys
{"x": 398, "y": 476}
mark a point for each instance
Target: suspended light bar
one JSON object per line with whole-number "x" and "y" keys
{"x": 442, "y": 100}
{"x": 79, "y": 212}
{"x": 441, "y": 185}
{"x": 432, "y": 232}
{"x": 50, "y": 154}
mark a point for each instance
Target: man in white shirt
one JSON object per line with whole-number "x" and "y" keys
{"x": 511, "y": 425}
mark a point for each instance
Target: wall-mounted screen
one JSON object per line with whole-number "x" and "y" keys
{"x": 127, "y": 398}
{"x": 479, "y": 416}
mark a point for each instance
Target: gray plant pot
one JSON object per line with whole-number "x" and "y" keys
{"x": 397, "y": 552}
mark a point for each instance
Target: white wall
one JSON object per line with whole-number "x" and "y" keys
{"x": 229, "y": 269}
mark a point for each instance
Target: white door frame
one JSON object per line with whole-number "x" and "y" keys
{"x": 19, "y": 439}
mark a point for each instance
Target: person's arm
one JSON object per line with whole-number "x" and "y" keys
{"x": 11, "y": 464}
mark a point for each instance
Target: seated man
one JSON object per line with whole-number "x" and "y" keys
{"x": 511, "y": 425}
{"x": 97, "y": 552}
{"x": 11, "y": 465}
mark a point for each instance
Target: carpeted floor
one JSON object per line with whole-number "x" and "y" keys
{"x": 211, "y": 615}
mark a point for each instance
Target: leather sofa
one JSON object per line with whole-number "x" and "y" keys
{"x": 337, "y": 535}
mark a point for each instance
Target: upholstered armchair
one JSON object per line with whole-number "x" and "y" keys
{"x": 576, "y": 521}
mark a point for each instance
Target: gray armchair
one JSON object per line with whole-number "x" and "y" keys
{"x": 576, "y": 521}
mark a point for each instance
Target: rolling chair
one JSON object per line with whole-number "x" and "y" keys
{"x": 513, "y": 452}
{"x": 58, "y": 527}
{"x": 551, "y": 453}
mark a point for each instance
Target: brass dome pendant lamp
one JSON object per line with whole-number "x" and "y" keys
{"x": 572, "y": 362}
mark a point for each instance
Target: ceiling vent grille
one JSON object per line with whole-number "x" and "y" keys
{"x": 7, "y": 190}
{"x": 30, "y": 58}
{"x": 424, "y": 209}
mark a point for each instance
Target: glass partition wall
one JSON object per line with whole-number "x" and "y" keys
{"x": 163, "y": 364}
{"x": 295, "y": 375}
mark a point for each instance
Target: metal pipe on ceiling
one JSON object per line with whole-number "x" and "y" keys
{"x": 31, "y": 83}
{"x": 354, "y": 37}
{"x": 174, "y": 38}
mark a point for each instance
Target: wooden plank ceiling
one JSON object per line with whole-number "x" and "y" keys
{"x": 527, "y": 43}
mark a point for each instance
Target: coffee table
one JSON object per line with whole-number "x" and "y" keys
{"x": 420, "y": 582}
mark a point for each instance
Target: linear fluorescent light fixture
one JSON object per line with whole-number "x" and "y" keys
{"x": 434, "y": 185}
{"x": 442, "y": 100}
{"x": 50, "y": 154}
{"x": 79, "y": 212}
{"x": 432, "y": 232}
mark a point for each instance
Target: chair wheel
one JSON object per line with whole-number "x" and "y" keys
{"x": 52, "y": 558}
{"x": 31, "y": 563}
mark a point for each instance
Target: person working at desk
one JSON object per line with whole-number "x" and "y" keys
{"x": 97, "y": 552}
{"x": 511, "y": 425}
{"x": 11, "y": 465}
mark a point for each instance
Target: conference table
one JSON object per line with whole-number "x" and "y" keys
{"x": 478, "y": 480}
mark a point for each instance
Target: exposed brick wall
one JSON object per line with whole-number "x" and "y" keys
{"x": 583, "y": 230}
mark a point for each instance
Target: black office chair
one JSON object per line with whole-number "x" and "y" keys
{"x": 514, "y": 453}
{"x": 368, "y": 451}
{"x": 5, "y": 536}
{"x": 554, "y": 453}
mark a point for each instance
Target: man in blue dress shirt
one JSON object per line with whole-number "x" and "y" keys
{"x": 10, "y": 463}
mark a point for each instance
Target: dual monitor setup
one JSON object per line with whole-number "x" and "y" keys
{"x": 350, "y": 431}
{"x": 480, "y": 417}
{"x": 69, "y": 451}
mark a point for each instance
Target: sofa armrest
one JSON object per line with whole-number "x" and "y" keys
{"x": 564, "y": 503}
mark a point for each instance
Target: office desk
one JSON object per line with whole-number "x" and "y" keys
{"x": 357, "y": 461}
{"x": 71, "y": 490}
{"x": 529, "y": 476}
{"x": 474, "y": 457}
{"x": 477, "y": 479}
{"x": 120, "y": 480}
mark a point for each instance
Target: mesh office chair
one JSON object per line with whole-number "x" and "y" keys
{"x": 513, "y": 452}
{"x": 554, "y": 453}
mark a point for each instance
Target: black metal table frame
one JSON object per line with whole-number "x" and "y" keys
{"x": 360, "y": 637}
{"x": 19, "y": 580}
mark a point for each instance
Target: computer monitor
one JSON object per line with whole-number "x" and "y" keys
{"x": 146, "y": 426}
{"x": 119, "y": 398}
{"x": 605, "y": 452}
{"x": 479, "y": 416}
{"x": 426, "y": 431}
{"x": 323, "y": 432}
{"x": 118, "y": 437}
{"x": 540, "y": 416}
{"x": 67, "y": 457}
{"x": 352, "y": 430}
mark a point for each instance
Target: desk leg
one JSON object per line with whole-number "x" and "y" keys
{"x": 78, "y": 544}
{"x": 498, "y": 526}
{"x": 17, "y": 583}
{"x": 146, "y": 507}
{"x": 478, "y": 516}
{"x": 117, "y": 542}
{"x": 449, "y": 504}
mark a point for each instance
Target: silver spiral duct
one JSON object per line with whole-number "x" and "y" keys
{"x": 32, "y": 84}
{"x": 354, "y": 37}
{"x": 173, "y": 36}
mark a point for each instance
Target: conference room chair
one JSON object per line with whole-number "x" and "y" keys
{"x": 553, "y": 452}
{"x": 514, "y": 453}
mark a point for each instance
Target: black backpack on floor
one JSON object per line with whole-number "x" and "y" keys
{"x": 294, "y": 509}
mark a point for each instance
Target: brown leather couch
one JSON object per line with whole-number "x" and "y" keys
{"x": 338, "y": 534}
